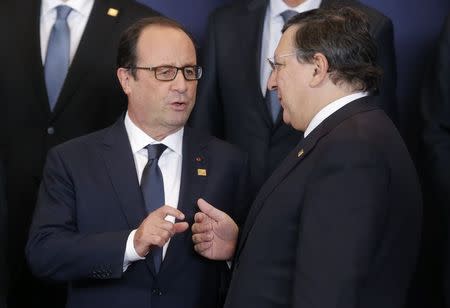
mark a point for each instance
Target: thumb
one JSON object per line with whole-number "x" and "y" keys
{"x": 180, "y": 227}
{"x": 211, "y": 211}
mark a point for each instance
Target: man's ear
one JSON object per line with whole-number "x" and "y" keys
{"x": 124, "y": 78}
{"x": 320, "y": 63}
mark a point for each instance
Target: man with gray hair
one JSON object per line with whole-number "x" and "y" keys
{"x": 338, "y": 222}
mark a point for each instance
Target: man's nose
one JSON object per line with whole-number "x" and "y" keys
{"x": 272, "y": 82}
{"x": 179, "y": 83}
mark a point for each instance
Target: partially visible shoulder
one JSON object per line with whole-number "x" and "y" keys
{"x": 82, "y": 143}
{"x": 374, "y": 16}
{"x": 230, "y": 11}
{"x": 369, "y": 136}
{"x": 229, "y": 8}
{"x": 214, "y": 145}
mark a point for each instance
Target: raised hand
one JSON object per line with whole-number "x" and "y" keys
{"x": 156, "y": 231}
{"x": 214, "y": 233}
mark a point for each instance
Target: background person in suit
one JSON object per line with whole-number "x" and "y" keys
{"x": 232, "y": 102}
{"x": 338, "y": 222}
{"x": 96, "y": 206}
{"x": 35, "y": 118}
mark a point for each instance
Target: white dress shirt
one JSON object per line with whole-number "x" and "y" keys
{"x": 170, "y": 164}
{"x": 273, "y": 24}
{"x": 77, "y": 20}
{"x": 331, "y": 108}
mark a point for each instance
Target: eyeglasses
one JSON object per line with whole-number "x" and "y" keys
{"x": 276, "y": 65}
{"x": 169, "y": 72}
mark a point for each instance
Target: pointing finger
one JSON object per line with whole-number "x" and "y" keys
{"x": 168, "y": 210}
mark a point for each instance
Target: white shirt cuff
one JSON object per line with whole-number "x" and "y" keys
{"x": 130, "y": 253}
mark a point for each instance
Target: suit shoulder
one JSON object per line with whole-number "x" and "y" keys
{"x": 374, "y": 16}
{"x": 216, "y": 145}
{"x": 226, "y": 148}
{"x": 229, "y": 11}
{"x": 81, "y": 143}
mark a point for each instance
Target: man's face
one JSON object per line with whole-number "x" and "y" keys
{"x": 292, "y": 80}
{"x": 161, "y": 107}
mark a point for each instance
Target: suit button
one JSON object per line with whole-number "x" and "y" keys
{"x": 50, "y": 130}
{"x": 157, "y": 292}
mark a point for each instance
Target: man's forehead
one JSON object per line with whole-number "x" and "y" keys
{"x": 164, "y": 40}
{"x": 286, "y": 43}
{"x": 161, "y": 32}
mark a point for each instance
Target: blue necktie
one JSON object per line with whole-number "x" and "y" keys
{"x": 58, "y": 53}
{"x": 288, "y": 14}
{"x": 152, "y": 187}
{"x": 273, "y": 103}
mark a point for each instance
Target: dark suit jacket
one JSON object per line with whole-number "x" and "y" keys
{"x": 91, "y": 98}
{"x": 435, "y": 111}
{"x": 338, "y": 222}
{"x": 89, "y": 202}
{"x": 230, "y": 104}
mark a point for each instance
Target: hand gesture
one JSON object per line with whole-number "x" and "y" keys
{"x": 156, "y": 231}
{"x": 214, "y": 233}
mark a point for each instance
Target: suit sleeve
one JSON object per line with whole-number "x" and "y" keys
{"x": 384, "y": 37}
{"x": 55, "y": 249}
{"x": 339, "y": 231}
{"x": 208, "y": 111}
{"x": 243, "y": 196}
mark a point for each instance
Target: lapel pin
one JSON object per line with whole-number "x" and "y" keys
{"x": 201, "y": 172}
{"x": 113, "y": 12}
{"x": 198, "y": 159}
{"x": 300, "y": 153}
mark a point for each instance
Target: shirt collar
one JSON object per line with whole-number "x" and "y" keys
{"x": 331, "y": 108}
{"x": 139, "y": 139}
{"x": 81, "y": 6}
{"x": 279, "y": 6}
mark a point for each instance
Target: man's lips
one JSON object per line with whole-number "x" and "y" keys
{"x": 178, "y": 105}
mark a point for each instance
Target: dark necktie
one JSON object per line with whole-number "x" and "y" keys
{"x": 152, "y": 187}
{"x": 58, "y": 53}
{"x": 288, "y": 14}
{"x": 273, "y": 103}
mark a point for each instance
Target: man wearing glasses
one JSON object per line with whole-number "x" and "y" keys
{"x": 233, "y": 101}
{"x": 114, "y": 206}
{"x": 338, "y": 222}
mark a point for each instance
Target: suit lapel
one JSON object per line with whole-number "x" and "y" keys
{"x": 192, "y": 185}
{"x": 272, "y": 182}
{"x": 120, "y": 166}
{"x": 254, "y": 25}
{"x": 36, "y": 66}
{"x": 89, "y": 52}
{"x": 296, "y": 156}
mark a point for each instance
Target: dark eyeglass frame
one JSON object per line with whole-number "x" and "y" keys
{"x": 160, "y": 71}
